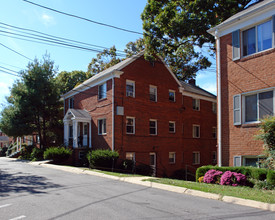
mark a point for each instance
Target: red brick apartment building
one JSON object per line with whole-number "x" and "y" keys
{"x": 141, "y": 110}
{"x": 246, "y": 81}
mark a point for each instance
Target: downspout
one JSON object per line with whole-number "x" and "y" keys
{"x": 113, "y": 113}
{"x": 219, "y": 98}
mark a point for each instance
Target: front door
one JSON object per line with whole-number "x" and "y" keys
{"x": 85, "y": 134}
{"x": 153, "y": 160}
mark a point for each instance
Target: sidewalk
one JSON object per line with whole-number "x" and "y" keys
{"x": 139, "y": 181}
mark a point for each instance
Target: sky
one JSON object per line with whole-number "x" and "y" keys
{"x": 15, "y": 54}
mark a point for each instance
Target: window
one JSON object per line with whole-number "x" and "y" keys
{"x": 257, "y": 38}
{"x": 153, "y": 93}
{"x": 85, "y": 129}
{"x": 130, "y": 125}
{"x": 172, "y": 96}
{"x": 130, "y": 156}
{"x": 172, "y": 126}
{"x": 214, "y": 107}
{"x": 101, "y": 126}
{"x": 214, "y": 132}
{"x": 102, "y": 91}
{"x": 71, "y": 102}
{"x": 258, "y": 105}
{"x": 214, "y": 157}
{"x": 153, "y": 127}
{"x": 172, "y": 157}
{"x": 130, "y": 88}
{"x": 196, "y": 104}
{"x": 196, "y": 157}
{"x": 70, "y": 131}
{"x": 196, "y": 131}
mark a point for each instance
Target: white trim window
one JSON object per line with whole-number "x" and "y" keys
{"x": 101, "y": 123}
{"x": 130, "y": 88}
{"x": 172, "y": 95}
{"x": 153, "y": 93}
{"x": 102, "y": 91}
{"x": 196, "y": 104}
{"x": 258, "y": 105}
{"x": 130, "y": 125}
{"x": 71, "y": 102}
{"x": 214, "y": 132}
{"x": 172, "y": 127}
{"x": 257, "y": 38}
{"x": 196, "y": 157}
{"x": 196, "y": 131}
{"x": 172, "y": 157}
{"x": 153, "y": 127}
{"x": 130, "y": 156}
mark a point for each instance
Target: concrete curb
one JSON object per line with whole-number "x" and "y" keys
{"x": 177, "y": 189}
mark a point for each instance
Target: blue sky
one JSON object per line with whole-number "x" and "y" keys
{"x": 121, "y": 13}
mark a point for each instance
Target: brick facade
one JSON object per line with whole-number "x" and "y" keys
{"x": 181, "y": 142}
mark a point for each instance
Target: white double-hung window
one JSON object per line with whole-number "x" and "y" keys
{"x": 252, "y": 107}
{"x": 102, "y": 91}
{"x": 130, "y": 88}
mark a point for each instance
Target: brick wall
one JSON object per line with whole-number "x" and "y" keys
{"x": 251, "y": 73}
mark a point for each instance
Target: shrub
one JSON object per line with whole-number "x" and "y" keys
{"x": 212, "y": 176}
{"x": 264, "y": 185}
{"x": 3, "y": 151}
{"x": 102, "y": 158}
{"x": 270, "y": 178}
{"x": 37, "y": 154}
{"x": 233, "y": 179}
{"x": 144, "y": 169}
{"x": 128, "y": 166}
{"x": 200, "y": 180}
{"x": 57, "y": 154}
{"x": 26, "y": 151}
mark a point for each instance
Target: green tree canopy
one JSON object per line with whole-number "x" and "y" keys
{"x": 177, "y": 29}
{"x": 34, "y": 104}
{"x": 68, "y": 80}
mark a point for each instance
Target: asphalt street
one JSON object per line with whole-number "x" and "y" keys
{"x": 36, "y": 192}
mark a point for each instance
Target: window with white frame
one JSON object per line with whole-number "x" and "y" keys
{"x": 153, "y": 93}
{"x": 130, "y": 156}
{"x": 214, "y": 107}
{"x": 172, "y": 157}
{"x": 172, "y": 127}
{"x": 101, "y": 126}
{"x": 196, "y": 157}
{"x": 71, "y": 102}
{"x": 196, "y": 104}
{"x": 153, "y": 127}
{"x": 255, "y": 106}
{"x": 214, "y": 132}
{"x": 257, "y": 38}
{"x": 130, "y": 125}
{"x": 102, "y": 91}
{"x": 130, "y": 88}
{"x": 172, "y": 96}
{"x": 196, "y": 131}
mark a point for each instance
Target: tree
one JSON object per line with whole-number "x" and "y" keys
{"x": 68, "y": 80}
{"x": 267, "y": 135}
{"x": 177, "y": 29}
{"x": 34, "y": 104}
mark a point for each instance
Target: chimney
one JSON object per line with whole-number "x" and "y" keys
{"x": 192, "y": 82}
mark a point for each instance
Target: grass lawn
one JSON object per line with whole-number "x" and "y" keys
{"x": 116, "y": 174}
{"x": 267, "y": 196}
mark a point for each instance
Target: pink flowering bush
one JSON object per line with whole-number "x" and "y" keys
{"x": 212, "y": 176}
{"x": 233, "y": 179}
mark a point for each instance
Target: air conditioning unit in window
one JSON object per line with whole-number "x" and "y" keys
{"x": 128, "y": 93}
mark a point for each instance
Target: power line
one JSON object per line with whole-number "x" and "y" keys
{"x": 85, "y": 19}
{"x": 8, "y": 69}
{"x": 9, "y": 73}
{"x": 16, "y": 52}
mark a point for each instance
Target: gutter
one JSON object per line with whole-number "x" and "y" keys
{"x": 219, "y": 98}
{"x": 113, "y": 113}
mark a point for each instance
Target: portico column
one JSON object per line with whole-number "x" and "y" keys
{"x": 66, "y": 133}
{"x": 90, "y": 135}
{"x": 75, "y": 144}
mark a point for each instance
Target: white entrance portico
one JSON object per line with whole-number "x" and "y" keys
{"x": 76, "y": 121}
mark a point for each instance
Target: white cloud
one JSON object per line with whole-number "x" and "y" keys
{"x": 47, "y": 20}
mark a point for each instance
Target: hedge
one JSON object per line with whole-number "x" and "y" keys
{"x": 249, "y": 172}
{"x": 102, "y": 158}
{"x": 57, "y": 154}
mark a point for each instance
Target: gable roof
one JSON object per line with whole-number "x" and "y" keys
{"x": 77, "y": 114}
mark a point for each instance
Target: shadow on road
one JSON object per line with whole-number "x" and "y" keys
{"x": 23, "y": 183}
